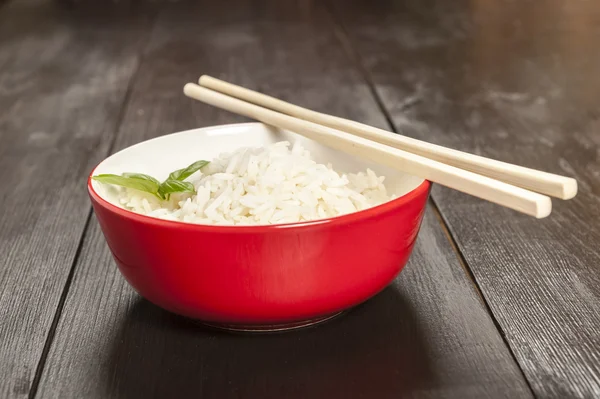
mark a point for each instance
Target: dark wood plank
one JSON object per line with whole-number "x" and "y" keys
{"x": 429, "y": 335}
{"x": 63, "y": 78}
{"x": 515, "y": 81}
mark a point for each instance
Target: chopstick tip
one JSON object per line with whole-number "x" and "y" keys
{"x": 569, "y": 189}
{"x": 204, "y": 79}
{"x": 189, "y": 88}
{"x": 544, "y": 208}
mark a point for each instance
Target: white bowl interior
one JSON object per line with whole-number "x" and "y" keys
{"x": 160, "y": 156}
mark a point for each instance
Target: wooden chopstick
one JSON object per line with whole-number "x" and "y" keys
{"x": 546, "y": 183}
{"x": 501, "y": 193}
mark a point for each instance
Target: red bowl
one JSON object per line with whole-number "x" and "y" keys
{"x": 256, "y": 277}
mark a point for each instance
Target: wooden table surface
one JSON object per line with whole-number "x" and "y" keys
{"x": 492, "y": 303}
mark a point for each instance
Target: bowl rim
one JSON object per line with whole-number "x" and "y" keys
{"x": 421, "y": 190}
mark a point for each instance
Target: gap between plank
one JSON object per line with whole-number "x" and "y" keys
{"x": 61, "y": 303}
{"x": 352, "y": 53}
{"x": 63, "y": 297}
{"x": 465, "y": 265}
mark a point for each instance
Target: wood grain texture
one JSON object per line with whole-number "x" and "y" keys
{"x": 63, "y": 79}
{"x": 429, "y": 335}
{"x": 516, "y": 81}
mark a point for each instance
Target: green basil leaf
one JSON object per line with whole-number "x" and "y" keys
{"x": 182, "y": 174}
{"x": 170, "y": 186}
{"x": 145, "y": 185}
{"x": 140, "y": 176}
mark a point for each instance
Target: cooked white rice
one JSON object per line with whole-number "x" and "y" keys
{"x": 261, "y": 186}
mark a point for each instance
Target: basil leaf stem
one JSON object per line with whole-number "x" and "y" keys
{"x": 170, "y": 186}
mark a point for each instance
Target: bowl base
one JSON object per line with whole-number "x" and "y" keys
{"x": 270, "y": 328}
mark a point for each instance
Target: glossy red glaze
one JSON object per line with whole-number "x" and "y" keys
{"x": 263, "y": 274}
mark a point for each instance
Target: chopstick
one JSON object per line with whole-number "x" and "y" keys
{"x": 495, "y": 191}
{"x": 542, "y": 182}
